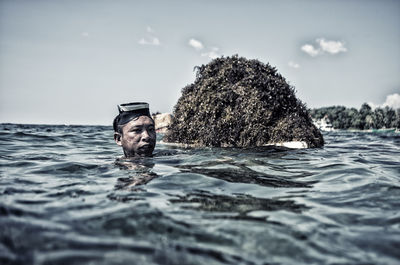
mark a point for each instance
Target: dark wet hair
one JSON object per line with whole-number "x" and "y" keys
{"x": 117, "y": 122}
{"x": 116, "y": 126}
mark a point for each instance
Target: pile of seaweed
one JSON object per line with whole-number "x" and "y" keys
{"x": 237, "y": 102}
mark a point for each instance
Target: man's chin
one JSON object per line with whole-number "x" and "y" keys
{"x": 145, "y": 151}
{"x": 142, "y": 151}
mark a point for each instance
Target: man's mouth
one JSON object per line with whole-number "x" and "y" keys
{"x": 146, "y": 146}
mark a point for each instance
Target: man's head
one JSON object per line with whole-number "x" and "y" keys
{"x": 134, "y": 130}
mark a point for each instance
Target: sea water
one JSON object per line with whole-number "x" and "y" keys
{"x": 66, "y": 197}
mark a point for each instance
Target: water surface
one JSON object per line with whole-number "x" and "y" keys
{"x": 66, "y": 198}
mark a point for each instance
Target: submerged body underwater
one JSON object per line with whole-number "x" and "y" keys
{"x": 67, "y": 198}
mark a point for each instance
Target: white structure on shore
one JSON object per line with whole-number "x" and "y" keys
{"x": 162, "y": 121}
{"x": 324, "y": 124}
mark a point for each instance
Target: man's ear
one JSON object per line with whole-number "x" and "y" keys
{"x": 117, "y": 138}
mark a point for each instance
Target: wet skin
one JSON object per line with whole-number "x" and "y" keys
{"x": 138, "y": 137}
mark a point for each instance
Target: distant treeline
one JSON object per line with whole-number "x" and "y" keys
{"x": 350, "y": 118}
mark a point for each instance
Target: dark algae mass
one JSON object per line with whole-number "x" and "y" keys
{"x": 67, "y": 197}
{"x": 236, "y": 102}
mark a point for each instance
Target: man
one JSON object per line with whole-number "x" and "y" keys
{"x": 134, "y": 129}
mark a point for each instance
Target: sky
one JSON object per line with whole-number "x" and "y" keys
{"x": 73, "y": 62}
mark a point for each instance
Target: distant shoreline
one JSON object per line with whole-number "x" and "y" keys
{"x": 366, "y": 118}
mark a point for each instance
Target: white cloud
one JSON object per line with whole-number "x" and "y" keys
{"x": 85, "y": 34}
{"x": 323, "y": 46}
{"x": 294, "y": 65}
{"x": 149, "y": 29}
{"x": 310, "y": 50}
{"x": 196, "y": 44}
{"x": 212, "y": 53}
{"x": 392, "y": 101}
{"x": 373, "y": 105}
{"x": 156, "y": 41}
{"x": 330, "y": 46}
{"x": 149, "y": 39}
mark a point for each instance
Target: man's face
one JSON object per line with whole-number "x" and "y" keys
{"x": 138, "y": 137}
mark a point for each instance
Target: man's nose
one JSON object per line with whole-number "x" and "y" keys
{"x": 145, "y": 135}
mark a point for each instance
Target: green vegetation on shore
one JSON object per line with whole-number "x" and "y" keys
{"x": 364, "y": 119}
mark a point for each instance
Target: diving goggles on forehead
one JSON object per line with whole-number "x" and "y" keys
{"x": 130, "y": 111}
{"x": 132, "y": 106}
